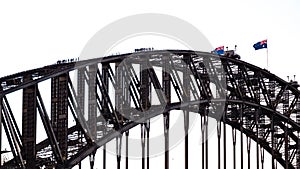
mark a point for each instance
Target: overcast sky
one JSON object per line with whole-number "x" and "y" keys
{"x": 36, "y": 33}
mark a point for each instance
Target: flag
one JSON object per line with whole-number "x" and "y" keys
{"x": 219, "y": 50}
{"x": 260, "y": 45}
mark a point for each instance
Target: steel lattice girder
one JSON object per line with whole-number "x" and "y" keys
{"x": 247, "y": 86}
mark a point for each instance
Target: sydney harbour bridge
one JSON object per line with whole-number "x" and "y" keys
{"x": 111, "y": 95}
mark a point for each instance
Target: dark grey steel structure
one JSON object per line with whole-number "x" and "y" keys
{"x": 265, "y": 108}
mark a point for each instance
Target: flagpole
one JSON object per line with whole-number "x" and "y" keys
{"x": 267, "y": 54}
{"x": 267, "y": 59}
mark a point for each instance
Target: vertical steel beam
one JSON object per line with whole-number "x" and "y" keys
{"x": 143, "y": 100}
{"x": 272, "y": 141}
{"x": 203, "y": 141}
{"x": 59, "y": 111}
{"x": 242, "y": 140}
{"x": 186, "y": 139}
{"x": 262, "y": 157}
{"x": 148, "y": 144}
{"x": 104, "y": 156}
{"x": 29, "y": 116}
{"x": 145, "y": 86}
{"x": 257, "y": 142}
{"x": 286, "y": 145}
{"x": 126, "y": 158}
{"x": 105, "y": 108}
{"x": 1, "y": 100}
{"x": 119, "y": 149}
{"x": 224, "y": 139}
{"x": 166, "y": 80}
{"x": 206, "y": 138}
{"x": 145, "y": 103}
{"x": 143, "y": 132}
{"x": 81, "y": 88}
{"x": 92, "y": 107}
{"x": 92, "y": 101}
{"x": 80, "y": 97}
{"x": 234, "y": 147}
{"x": 118, "y": 108}
{"x": 92, "y": 160}
{"x": 204, "y": 131}
{"x": 298, "y": 134}
{"x": 119, "y": 96}
{"x": 249, "y": 151}
{"x": 298, "y": 153}
{"x": 186, "y": 98}
{"x": 219, "y": 143}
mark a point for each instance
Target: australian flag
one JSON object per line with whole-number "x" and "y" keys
{"x": 219, "y": 50}
{"x": 260, "y": 45}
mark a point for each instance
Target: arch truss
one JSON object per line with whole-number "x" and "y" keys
{"x": 106, "y": 97}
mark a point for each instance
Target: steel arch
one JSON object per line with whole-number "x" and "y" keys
{"x": 269, "y": 104}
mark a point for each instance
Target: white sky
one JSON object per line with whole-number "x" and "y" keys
{"x": 36, "y": 33}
